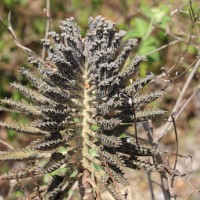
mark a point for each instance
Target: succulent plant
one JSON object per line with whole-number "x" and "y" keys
{"x": 82, "y": 100}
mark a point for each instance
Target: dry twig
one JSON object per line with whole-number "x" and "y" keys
{"x": 17, "y": 42}
{"x": 47, "y": 25}
{"x": 168, "y": 124}
{"x": 13, "y": 35}
{"x": 6, "y": 144}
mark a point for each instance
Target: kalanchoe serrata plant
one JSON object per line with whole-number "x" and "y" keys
{"x": 83, "y": 100}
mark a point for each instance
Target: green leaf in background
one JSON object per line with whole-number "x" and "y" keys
{"x": 158, "y": 15}
{"x": 152, "y": 41}
{"x": 161, "y": 15}
{"x": 95, "y": 166}
{"x": 1, "y": 44}
{"x": 74, "y": 173}
{"x": 146, "y": 9}
{"x": 24, "y": 2}
{"x": 139, "y": 28}
{"x": 192, "y": 50}
{"x": 96, "y": 4}
{"x": 77, "y": 120}
{"x": 147, "y": 46}
{"x": 62, "y": 149}
{"x": 95, "y": 127}
{"x": 11, "y": 134}
{"x": 122, "y": 26}
{"x": 16, "y": 95}
{"x": 123, "y": 135}
{"x": 143, "y": 69}
{"x": 39, "y": 25}
{"x": 83, "y": 16}
{"x": 9, "y": 2}
{"x": 19, "y": 194}
{"x": 12, "y": 3}
{"x": 75, "y": 4}
{"x": 46, "y": 178}
{"x": 59, "y": 171}
{"x": 93, "y": 152}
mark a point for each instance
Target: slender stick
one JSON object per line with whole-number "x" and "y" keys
{"x": 163, "y": 47}
{"x": 150, "y": 185}
{"x": 13, "y": 35}
{"x": 47, "y": 25}
{"x": 188, "y": 101}
{"x": 16, "y": 41}
{"x": 135, "y": 126}
{"x": 168, "y": 125}
{"x": 176, "y": 154}
{"x": 7, "y": 145}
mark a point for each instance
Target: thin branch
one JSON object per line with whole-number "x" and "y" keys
{"x": 13, "y": 35}
{"x": 183, "y": 106}
{"x": 194, "y": 19}
{"x": 16, "y": 41}
{"x": 172, "y": 197}
{"x": 47, "y": 25}
{"x": 184, "y": 72}
{"x": 176, "y": 154}
{"x": 181, "y": 7}
{"x": 189, "y": 42}
{"x": 168, "y": 124}
{"x": 188, "y": 101}
{"x": 149, "y": 131}
{"x": 172, "y": 80}
{"x": 6, "y": 144}
{"x": 163, "y": 47}
{"x": 165, "y": 187}
{"x": 150, "y": 185}
{"x": 182, "y": 55}
{"x": 135, "y": 125}
{"x": 182, "y": 39}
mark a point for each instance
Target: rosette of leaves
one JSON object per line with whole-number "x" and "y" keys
{"x": 81, "y": 101}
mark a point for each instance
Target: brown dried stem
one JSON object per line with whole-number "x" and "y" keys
{"x": 16, "y": 40}
{"x": 168, "y": 124}
{"x": 47, "y": 25}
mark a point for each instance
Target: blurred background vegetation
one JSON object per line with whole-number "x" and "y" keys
{"x": 173, "y": 25}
